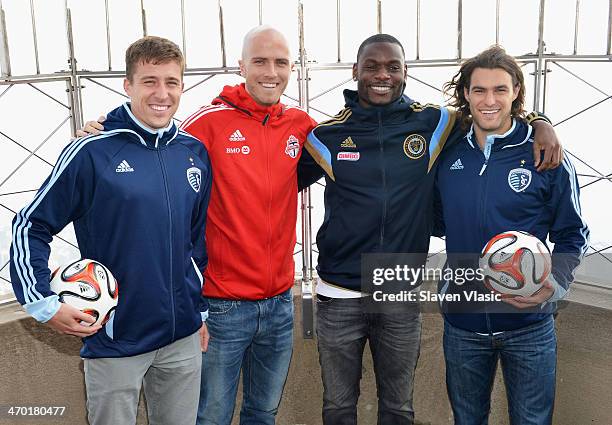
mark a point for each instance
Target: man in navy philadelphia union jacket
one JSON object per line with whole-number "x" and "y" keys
{"x": 379, "y": 155}
{"x": 137, "y": 195}
{"x": 480, "y": 197}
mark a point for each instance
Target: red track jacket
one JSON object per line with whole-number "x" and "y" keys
{"x": 250, "y": 229}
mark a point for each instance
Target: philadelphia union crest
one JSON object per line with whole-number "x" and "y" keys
{"x": 414, "y": 146}
{"x": 519, "y": 179}
{"x": 194, "y": 177}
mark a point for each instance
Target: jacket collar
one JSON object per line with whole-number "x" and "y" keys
{"x": 237, "y": 97}
{"x": 518, "y": 134}
{"x": 123, "y": 118}
{"x": 373, "y": 113}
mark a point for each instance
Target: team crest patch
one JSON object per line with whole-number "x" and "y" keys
{"x": 519, "y": 179}
{"x": 194, "y": 177}
{"x": 293, "y": 146}
{"x": 414, "y": 146}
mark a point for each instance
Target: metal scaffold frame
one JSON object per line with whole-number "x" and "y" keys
{"x": 74, "y": 77}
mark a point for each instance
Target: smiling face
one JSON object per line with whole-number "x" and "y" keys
{"x": 380, "y": 73}
{"x": 155, "y": 91}
{"x": 490, "y": 96}
{"x": 266, "y": 65}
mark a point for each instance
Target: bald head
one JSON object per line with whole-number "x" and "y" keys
{"x": 263, "y": 34}
{"x": 265, "y": 64}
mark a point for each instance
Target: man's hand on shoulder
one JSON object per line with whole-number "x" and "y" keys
{"x": 68, "y": 320}
{"x": 92, "y": 127}
{"x": 546, "y": 140}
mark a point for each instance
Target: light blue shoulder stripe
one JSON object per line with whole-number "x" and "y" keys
{"x": 437, "y": 134}
{"x": 321, "y": 154}
{"x": 22, "y": 224}
{"x": 22, "y": 257}
{"x": 573, "y": 181}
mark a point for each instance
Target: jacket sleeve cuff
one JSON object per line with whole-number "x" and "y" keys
{"x": 560, "y": 291}
{"x": 43, "y": 310}
{"x": 204, "y": 315}
{"x": 559, "y": 294}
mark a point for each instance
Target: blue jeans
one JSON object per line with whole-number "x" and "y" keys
{"x": 528, "y": 361}
{"x": 342, "y": 330}
{"x": 257, "y": 338}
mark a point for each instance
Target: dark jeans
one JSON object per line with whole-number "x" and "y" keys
{"x": 255, "y": 337}
{"x": 528, "y": 361}
{"x": 342, "y": 330}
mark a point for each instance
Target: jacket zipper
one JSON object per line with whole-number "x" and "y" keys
{"x": 267, "y": 150}
{"x": 486, "y": 152}
{"x": 384, "y": 182}
{"x": 165, "y": 178}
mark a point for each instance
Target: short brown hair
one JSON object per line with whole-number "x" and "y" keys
{"x": 494, "y": 57}
{"x": 152, "y": 49}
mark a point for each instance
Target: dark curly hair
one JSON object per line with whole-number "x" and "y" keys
{"x": 494, "y": 57}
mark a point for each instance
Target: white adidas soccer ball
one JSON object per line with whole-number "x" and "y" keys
{"x": 515, "y": 263}
{"x": 89, "y": 286}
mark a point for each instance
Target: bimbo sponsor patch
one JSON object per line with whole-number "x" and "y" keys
{"x": 348, "y": 156}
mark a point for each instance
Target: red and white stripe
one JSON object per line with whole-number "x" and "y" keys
{"x": 203, "y": 111}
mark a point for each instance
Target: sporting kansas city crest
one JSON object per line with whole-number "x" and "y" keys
{"x": 194, "y": 177}
{"x": 519, "y": 179}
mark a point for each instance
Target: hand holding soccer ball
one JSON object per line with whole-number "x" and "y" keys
{"x": 88, "y": 292}
{"x": 517, "y": 265}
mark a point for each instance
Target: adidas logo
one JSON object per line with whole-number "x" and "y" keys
{"x": 348, "y": 143}
{"x": 124, "y": 167}
{"x": 237, "y": 137}
{"x": 457, "y": 165}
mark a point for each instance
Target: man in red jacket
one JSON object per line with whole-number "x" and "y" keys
{"x": 254, "y": 143}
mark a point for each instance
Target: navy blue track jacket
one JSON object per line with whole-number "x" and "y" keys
{"x": 489, "y": 191}
{"x": 138, "y": 201}
{"x": 379, "y": 165}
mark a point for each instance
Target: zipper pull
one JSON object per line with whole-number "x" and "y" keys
{"x": 265, "y": 120}
{"x": 487, "y": 153}
{"x": 484, "y": 167}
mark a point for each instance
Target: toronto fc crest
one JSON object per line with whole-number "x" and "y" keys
{"x": 293, "y": 146}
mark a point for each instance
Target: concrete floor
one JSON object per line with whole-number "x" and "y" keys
{"x": 39, "y": 367}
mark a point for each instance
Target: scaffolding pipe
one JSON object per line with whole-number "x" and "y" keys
{"x": 379, "y": 16}
{"x": 497, "y": 21}
{"x": 222, "y": 36}
{"x": 609, "y": 48}
{"x": 338, "y": 28}
{"x": 73, "y": 85}
{"x": 108, "y": 40}
{"x": 305, "y": 202}
{"x": 5, "y": 59}
{"x": 418, "y": 30}
{"x": 576, "y": 27}
{"x": 260, "y": 12}
{"x": 143, "y": 17}
{"x": 540, "y": 62}
{"x": 459, "y": 28}
{"x": 183, "y": 32}
{"x": 34, "y": 36}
